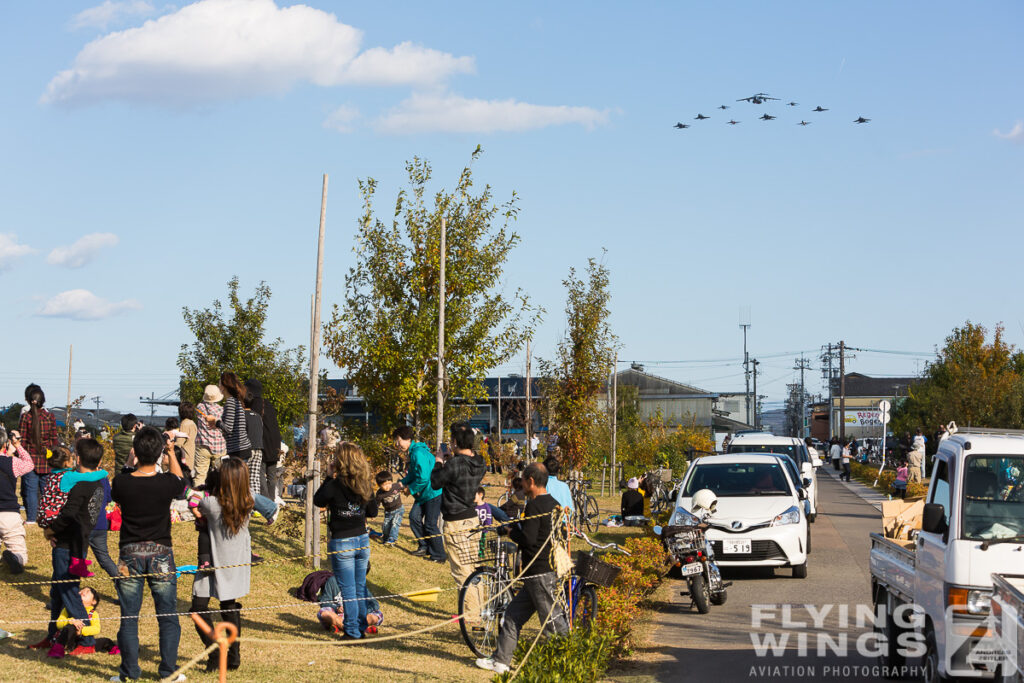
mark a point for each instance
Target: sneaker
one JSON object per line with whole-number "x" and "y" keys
{"x": 422, "y": 552}
{"x": 82, "y": 650}
{"x": 438, "y": 560}
{"x": 56, "y": 651}
{"x": 272, "y": 518}
{"x": 117, "y": 678}
{"x": 12, "y": 562}
{"x": 389, "y": 544}
{"x": 180, "y": 678}
{"x": 489, "y": 664}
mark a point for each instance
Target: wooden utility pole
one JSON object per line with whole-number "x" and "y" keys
{"x": 754, "y": 362}
{"x": 842, "y": 393}
{"x": 440, "y": 337}
{"x": 499, "y": 414}
{"x": 67, "y": 406}
{"x": 529, "y": 405}
{"x": 312, "y": 538}
{"x": 615, "y": 418}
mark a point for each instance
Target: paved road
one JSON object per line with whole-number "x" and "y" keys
{"x": 718, "y": 646}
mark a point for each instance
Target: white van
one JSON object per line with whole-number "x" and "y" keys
{"x": 763, "y": 442}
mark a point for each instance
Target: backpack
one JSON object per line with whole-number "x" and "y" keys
{"x": 52, "y": 500}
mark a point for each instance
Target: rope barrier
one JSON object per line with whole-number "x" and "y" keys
{"x": 192, "y": 662}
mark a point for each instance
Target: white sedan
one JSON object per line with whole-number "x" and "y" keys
{"x": 760, "y": 520}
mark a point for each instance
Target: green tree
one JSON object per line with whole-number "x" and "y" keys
{"x": 971, "y": 381}
{"x": 233, "y": 339}
{"x": 579, "y": 369}
{"x": 384, "y": 336}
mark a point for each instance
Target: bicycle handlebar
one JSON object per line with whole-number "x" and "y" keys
{"x": 601, "y": 546}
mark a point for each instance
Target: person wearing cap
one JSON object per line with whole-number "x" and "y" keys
{"x": 210, "y": 443}
{"x": 632, "y": 500}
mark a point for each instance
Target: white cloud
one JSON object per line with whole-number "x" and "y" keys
{"x": 451, "y": 113}
{"x": 224, "y": 49}
{"x": 341, "y": 119}
{"x": 111, "y": 12}
{"x": 83, "y": 251}
{"x": 10, "y": 250}
{"x": 81, "y": 304}
{"x": 1016, "y": 133}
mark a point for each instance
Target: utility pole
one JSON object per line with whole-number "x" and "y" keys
{"x": 803, "y": 364}
{"x": 440, "y": 338}
{"x": 826, "y": 368}
{"x": 842, "y": 393}
{"x": 499, "y": 414}
{"x": 529, "y": 405}
{"x": 745, "y": 324}
{"x": 312, "y": 536}
{"x": 754, "y": 362}
{"x": 615, "y": 416}
{"x": 97, "y": 400}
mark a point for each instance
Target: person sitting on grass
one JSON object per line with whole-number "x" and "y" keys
{"x": 72, "y": 630}
{"x": 331, "y": 613}
{"x": 632, "y": 500}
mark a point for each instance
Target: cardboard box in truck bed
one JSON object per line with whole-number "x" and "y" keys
{"x": 900, "y": 517}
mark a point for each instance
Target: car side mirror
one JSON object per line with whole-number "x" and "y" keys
{"x": 802, "y": 494}
{"x": 933, "y": 519}
{"x": 807, "y": 482}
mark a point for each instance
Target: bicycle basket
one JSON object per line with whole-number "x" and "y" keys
{"x": 590, "y": 568}
{"x": 472, "y": 549}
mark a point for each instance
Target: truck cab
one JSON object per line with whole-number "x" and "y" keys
{"x": 971, "y": 526}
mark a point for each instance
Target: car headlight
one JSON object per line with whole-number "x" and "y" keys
{"x": 790, "y": 516}
{"x": 979, "y": 602}
{"x": 682, "y": 517}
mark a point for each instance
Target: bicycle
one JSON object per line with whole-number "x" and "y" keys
{"x": 586, "y": 512}
{"x": 657, "y": 491}
{"x": 493, "y": 586}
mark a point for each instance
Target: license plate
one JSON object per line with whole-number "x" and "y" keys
{"x": 692, "y": 568}
{"x": 736, "y": 546}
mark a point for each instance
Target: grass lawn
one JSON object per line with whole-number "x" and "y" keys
{"x": 438, "y": 655}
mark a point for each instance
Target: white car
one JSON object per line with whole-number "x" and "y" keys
{"x": 760, "y": 520}
{"x": 762, "y": 442}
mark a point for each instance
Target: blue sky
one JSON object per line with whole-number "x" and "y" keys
{"x": 185, "y": 144}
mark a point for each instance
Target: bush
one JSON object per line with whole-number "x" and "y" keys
{"x": 866, "y": 474}
{"x": 581, "y": 656}
{"x": 619, "y": 607}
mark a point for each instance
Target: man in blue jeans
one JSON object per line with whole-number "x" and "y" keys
{"x": 427, "y": 509}
{"x": 145, "y": 497}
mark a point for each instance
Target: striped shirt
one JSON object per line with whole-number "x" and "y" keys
{"x": 232, "y": 423}
{"x": 209, "y": 437}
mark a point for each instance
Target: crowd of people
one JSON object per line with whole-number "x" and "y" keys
{"x": 220, "y": 458}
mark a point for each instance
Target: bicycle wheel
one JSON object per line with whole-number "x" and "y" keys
{"x": 591, "y": 514}
{"x": 586, "y": 607}
{"x": 481, "y": 588}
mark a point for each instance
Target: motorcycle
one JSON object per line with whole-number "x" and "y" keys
{"x": 695, "y": 560}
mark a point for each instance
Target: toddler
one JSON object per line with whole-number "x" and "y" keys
{"x": 389, "y": 497}
{"x": 55, "y": 495}
{"x": 487, "y": 512}
{"x": 902, "y": 474}
{"x": 73, "y": 629}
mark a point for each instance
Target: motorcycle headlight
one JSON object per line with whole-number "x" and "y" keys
{"x": 790, "y": 516}
{"x": 682, "y": 517}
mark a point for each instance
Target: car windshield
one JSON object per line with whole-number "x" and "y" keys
{"x": 993, "y": 497}
{"x": 739, "y": 479}
{"x": 787, "y": 449}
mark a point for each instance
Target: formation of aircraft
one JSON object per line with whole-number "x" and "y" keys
{"x": 763, "y": 98}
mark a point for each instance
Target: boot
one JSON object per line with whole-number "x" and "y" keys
{"x": 234, "y": 652}
{"x": 213, "y": 661}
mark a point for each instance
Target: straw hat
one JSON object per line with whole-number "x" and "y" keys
{"x": 212, "y": 394}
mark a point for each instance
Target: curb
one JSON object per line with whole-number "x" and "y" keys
{"x": 865, "y": 493}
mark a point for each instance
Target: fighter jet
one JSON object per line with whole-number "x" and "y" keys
{"x": 701, "y": 117}
{"x": 681, "y": 125}
{"x": 732, "y": 123}
{"x": 792, "y": 104}
{"x": 767, "y": 117}
{"x": 819, "y": 108}
{"x": 758, "y": 98}
{"x": 723, "y": 107}
{"x": 861, "y": 119}
{"x": 804, "y": 123}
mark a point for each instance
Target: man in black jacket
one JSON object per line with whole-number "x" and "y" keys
{"x": 540, "y": 584}
{"x": 458, "y": 479}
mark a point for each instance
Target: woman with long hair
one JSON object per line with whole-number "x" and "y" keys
{"x": 347, "y": 493}
{"x": 232, "y": 422}
{"x": 226, "y": 511}
{"x": 38, "y": 428}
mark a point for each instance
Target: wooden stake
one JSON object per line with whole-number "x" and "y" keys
{"x": 529, "y": 406}
{"x": 312, "y": 540}
{"x": 440, "y": 337}
{"x": 615, "y": 416}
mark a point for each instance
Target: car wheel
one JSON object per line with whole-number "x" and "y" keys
{"x": 800, "y": 570}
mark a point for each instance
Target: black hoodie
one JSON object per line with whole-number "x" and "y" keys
{"x": 458, "y": 479}
{"x": 271, "y": 430}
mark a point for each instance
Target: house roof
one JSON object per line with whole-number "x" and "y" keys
{"x": 864, "y": 386}
{"x": 652, "y": 385}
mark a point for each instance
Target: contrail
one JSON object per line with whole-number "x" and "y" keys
{"x": 841, "y": 65}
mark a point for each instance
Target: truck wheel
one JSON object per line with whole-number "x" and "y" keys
{"x": 800, "y": 570}
{"x": 930, "y": 661}
{"x": 891, "y": 658}
{"x": 699, "y": 593}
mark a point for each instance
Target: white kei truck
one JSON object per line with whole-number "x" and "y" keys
{"x": 1008, "y": 620}
{"x": 931, "y": 570}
